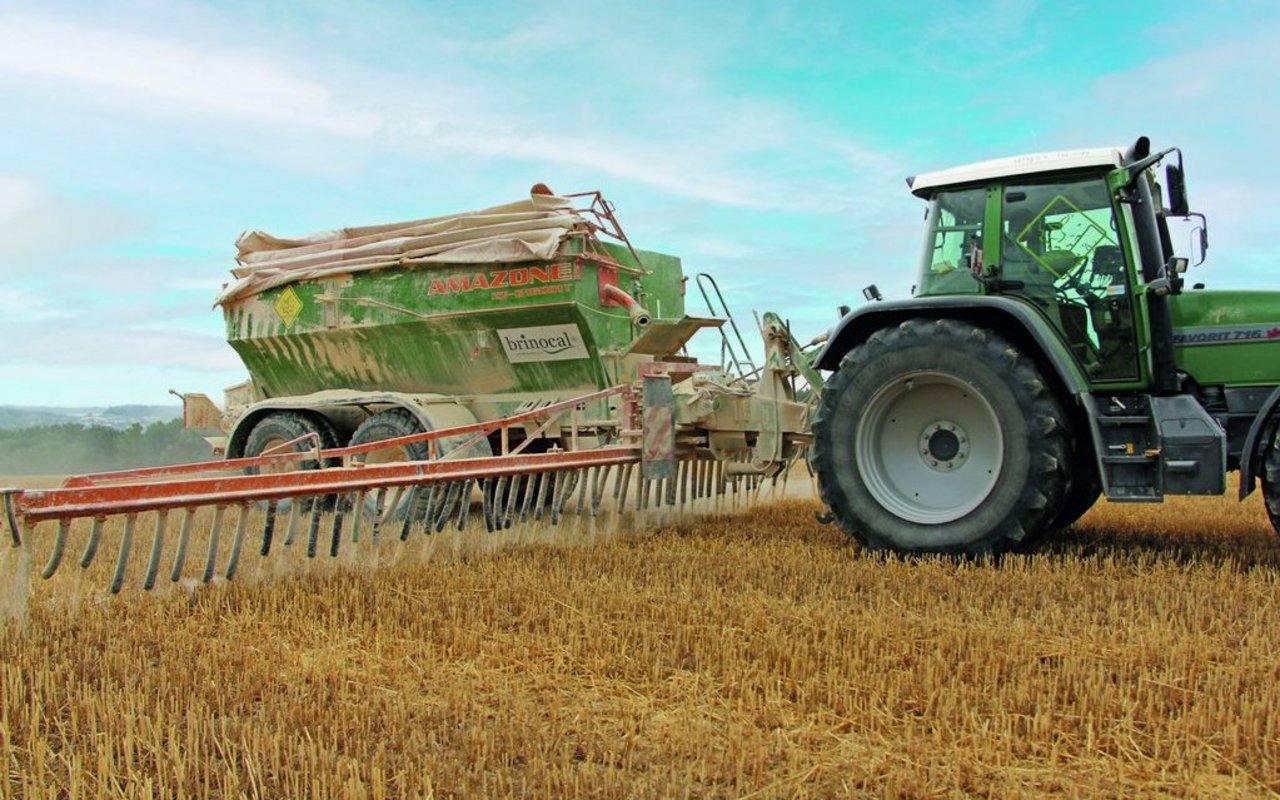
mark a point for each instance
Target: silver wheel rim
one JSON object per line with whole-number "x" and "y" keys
{"x": 929, "y": 447}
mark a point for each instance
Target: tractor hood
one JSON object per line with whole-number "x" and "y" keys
{"x": 1227, "y": 337}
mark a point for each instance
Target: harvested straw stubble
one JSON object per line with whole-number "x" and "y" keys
{"x": 737, "y": 655}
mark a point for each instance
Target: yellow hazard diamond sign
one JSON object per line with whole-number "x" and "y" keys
{"x": 288, "y": 305}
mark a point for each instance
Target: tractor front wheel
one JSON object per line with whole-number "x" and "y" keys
{"x": 938, "y": 436}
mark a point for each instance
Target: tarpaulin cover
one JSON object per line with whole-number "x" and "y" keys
{"x": 528, "y": 230}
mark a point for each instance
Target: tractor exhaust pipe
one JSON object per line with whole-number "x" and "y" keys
{"x": 640, "y": 317}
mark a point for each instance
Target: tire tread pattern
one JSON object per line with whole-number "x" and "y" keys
{"x": 1271, "y": 479}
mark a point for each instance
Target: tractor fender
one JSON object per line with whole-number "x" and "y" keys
{"x": 1251, "y": 455}
{"x": 434, "y": 411}
{"x": 1015, "y": 321}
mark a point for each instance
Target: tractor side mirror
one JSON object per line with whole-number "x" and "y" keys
{"x": 872, "y": 293}
{"x": 1175, "y": 181}
{"x": 1199, "y": 239}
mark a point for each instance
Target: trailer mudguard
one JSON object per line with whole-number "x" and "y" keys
{"x": 1013, "y": 320}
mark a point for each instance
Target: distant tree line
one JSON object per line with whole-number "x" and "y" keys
{"x": 71, "y": 449}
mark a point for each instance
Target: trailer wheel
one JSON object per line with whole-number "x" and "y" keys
{"x": 1271, "y": 480}
{"x": 940, "y": 437}
{"x": 280, "y": 427}
{"x": 392, "y": 424}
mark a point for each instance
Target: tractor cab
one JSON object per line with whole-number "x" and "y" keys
{"x": 1052, "y": 231}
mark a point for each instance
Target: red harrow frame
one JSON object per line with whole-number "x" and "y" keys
{"x": 342, "y": 501}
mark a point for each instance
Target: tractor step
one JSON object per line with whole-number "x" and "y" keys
{"x": 1153, "y": 445}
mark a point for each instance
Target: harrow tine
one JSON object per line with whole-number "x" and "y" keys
{"x": 391, "y": 500}
{"x": 599, "y": 485}
{"x": 126, "y": 542}
{"x": 11, "y": 516}
{"x": 91, "y": 546}
{"x": 268, "y": 528}
{"x": 558, "y": 482}
{"x": 642, "y": 494}
{"x": 533, "y": 485}
{"x": 682, "y": 471}
{"x": 55, "y": 558}
{"x": 410, "y": 510}
{"x": 357, "y": 514}
{"x": 623, "y": 484}
{"x": 671, "y": 489}
{"x": 448, "y": 501}
{"x": 577, "y": 478}
{"x": 212, "y": 554}
{"x": 291, "y": 530}
{"x": 436, "y": 524}
{"x": 545, "y": 480}
{"x": 464, "y": 513}
{"x": 237, "y": 540}
{"x": 426, "y": 511}
{"x": 586, "y": 483}
{"x": 184, "y": 536}
{"x": 379, "y": 508}
{"x": 513, "y": 493}
{"x": 313, "y": 530}
{"x": 335, "y": 534}
{"x": 487, "y": 488}
{"x": 157, "y": 544}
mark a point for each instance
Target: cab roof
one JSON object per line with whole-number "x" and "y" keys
{"x": 927, "y": 183}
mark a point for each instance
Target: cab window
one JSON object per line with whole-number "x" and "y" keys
{"x": 952, "y": 260}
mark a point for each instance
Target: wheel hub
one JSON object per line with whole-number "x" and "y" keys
{"x": 922, "y": 468}
{"x": 944, "y": 446}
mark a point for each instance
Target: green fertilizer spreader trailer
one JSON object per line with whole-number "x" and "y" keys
{"x": 473, "y": 317}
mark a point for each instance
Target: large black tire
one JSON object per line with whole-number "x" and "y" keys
{"x": 1082, "y": 494}
{"x": 392, "y": 424}
{"x": 940, "y": 437}
{"x": 1271, "y": 479}
{"x": 279, "y": 427}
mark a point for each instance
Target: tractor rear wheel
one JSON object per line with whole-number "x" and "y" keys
{"x": 1080, "y": 497}
{"x": 1271, "y": 479}
{"x": 940, "y": 437}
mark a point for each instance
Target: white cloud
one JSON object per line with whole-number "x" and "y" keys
{"x": 674, "y": 137}
{"x": 172, "y": 74}
{"x": 36, "y": 223}
{"x": 104, "y": 342}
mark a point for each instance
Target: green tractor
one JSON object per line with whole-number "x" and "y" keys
{"x": 1050, "y": 354}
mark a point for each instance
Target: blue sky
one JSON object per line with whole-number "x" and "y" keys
{"x": 765, "y": 143}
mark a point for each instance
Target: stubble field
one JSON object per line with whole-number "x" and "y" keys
{"x": 755, "y": 654}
